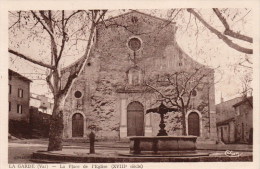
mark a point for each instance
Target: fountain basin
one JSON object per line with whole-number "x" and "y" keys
{"x": 162, "y": 144}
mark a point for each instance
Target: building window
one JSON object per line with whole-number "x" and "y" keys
{"x": 237, "y": 111}
{"x": 134, "y": 76}
{"x": 134, "y": 44}
{"x": 78, "y": 94}
{"x": 20, "y": 93}
{"x": 10, "y": 89}
{"x": 194, "y": 93}
{"x": 10, "y": 106}
{"x": 19, "y": 109}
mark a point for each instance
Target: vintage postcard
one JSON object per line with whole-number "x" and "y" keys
{"x": 133, "y": 85}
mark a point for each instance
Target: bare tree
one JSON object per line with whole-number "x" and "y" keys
{"x": 227, "y": 33}
{"x": 177, "y": 89}
{"x": 246, "y": 81}
{"x": 59, "y": 31}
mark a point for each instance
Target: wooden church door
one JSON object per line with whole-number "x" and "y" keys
{"x": 77, "y": 125}
{"x": 135, "y": 119}
{"x": 193, "y": 124}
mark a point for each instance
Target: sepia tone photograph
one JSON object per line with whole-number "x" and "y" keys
{"x": 130, "y": 85}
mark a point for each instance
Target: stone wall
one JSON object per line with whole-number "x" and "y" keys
{"x": 39, "y": 123}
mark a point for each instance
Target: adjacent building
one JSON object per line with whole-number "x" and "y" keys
{"x": 43, "y": 103}
{"x": 234, "y": 120}
{"x": 244, "y": 120}
{"x": 19, "y": 96}
{"x": 29, "y": 114}
{"x": 226, "y": 120}
{"x": 111, "y": 95}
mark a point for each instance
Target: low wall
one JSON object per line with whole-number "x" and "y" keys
{"x": 162, "y": 144}
{"x": 39, "y": 123}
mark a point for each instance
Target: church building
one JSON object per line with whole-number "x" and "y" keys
{"x": 111, "y": 96}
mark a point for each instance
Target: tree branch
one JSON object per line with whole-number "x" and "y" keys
{"x": 155, "y": 89}
{"x": 84, "y": 58}
{"x": 177, "y": 85}
{"x": 170, "y": 21}
{"x": 230, "y": 32}
{"x": 163, "y": 96}
{"x": 194, "y": 87}
{"x": 45, "y": 18}
{"x": 101, "y": 16}
{"x": 30, "y": 59}
{"x": 44, "y": 26}
{"x": 48, "y": 21}
{"x": 48, "y": 79}
{"x": 192, "y": 75}
{"x": 74, "y": 13}
{"x": 220, "y": 35}
{"x": 18, "y": 20}
{"x": 64, "y": 36}
{"x": 241, "y": 64}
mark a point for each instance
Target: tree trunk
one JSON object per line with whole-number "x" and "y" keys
{"x": 56, "y": 126}
{"x": 183, "y": 124}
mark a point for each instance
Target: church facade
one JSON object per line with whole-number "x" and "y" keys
{"x": 111, "y": 97}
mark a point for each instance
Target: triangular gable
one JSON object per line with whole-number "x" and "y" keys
{"x": 138, "y": 12}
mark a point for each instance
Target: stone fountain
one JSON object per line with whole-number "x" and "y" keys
{"x": 162, "y": 144}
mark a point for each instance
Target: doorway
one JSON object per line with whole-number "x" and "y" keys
{"x": 77, "y": 125}
{"x": 135, "y": 119}
{"x": 193, "y": 124}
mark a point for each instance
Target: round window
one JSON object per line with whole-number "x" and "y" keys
{"x": 134, "y": 44}
{"x": 78, "y": 94}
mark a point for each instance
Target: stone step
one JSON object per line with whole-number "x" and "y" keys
{"x": 45, "y": 161}
{"x": 46, "y": 157}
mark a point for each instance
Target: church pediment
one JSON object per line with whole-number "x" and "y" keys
{"x": 137, "y": 23}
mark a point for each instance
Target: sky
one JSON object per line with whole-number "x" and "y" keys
{"x": 192, "y": 37}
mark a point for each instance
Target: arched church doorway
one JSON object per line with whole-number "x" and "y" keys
{"x": 135, "y": 119}
{"x": 193, "y": 124}
{"x": 77, "y": 125}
